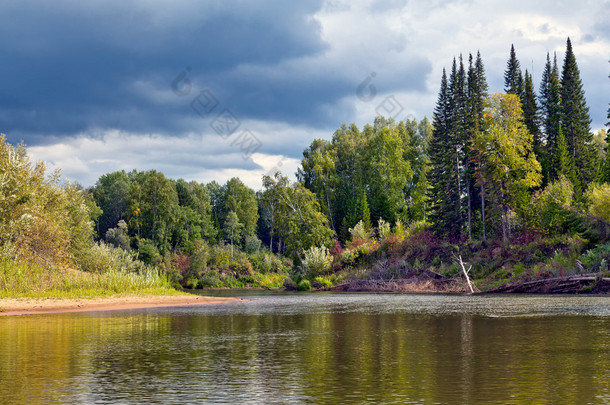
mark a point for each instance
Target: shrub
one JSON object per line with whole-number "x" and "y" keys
{"x": 359, "y": 232}
{"x": 417, "y": 227}
{"x": 548, "y": 207}
{"x": 266, "y": 262}
{"x": 323, "y": 281}
{"x": 598, "y": 199}
{"x": 337, "y": 249}
{"x": 290, "y": 284}
{"x": 219, "y": 258}
{"x": 304, "y": 285}
{"x": 241, "y": 267}
{"x": 118, "y": 236}
{"x": 596, "y": 260}
{"x": 399, "y": 229}
{"x": 40, "y": 220}
{"x": 148, "y": 252}
{"x": 199, "y": 259}
{"x": 349, "y": 257}
{"x": 316, "y": 260}
{"x": 383, "y": 229}
{"x": 252, "y": 244}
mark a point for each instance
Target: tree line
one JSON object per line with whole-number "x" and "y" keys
{"x": 486, "y": 167}
{"x": 471, "y": 173}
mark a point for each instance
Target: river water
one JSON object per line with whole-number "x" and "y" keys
{"x": 316, "y": 348}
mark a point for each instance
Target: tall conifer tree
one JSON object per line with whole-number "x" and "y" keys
{"x": 550, "y": 108}
{"x": 459, "y": 140}
{"x": 443, "y": 188}
{"x": 513, "y": 78}
{"x": 531, "y": 116}
{"x": 477, "y": 93}
{"x": 576, "y": 122}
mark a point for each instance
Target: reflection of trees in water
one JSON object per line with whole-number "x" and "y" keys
{"x": 331, "y": 355}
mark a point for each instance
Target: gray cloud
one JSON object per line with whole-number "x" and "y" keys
{"x": 75, "y": 74}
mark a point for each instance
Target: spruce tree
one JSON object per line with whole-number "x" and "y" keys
{"x": 482, "y": 96}
{"x": 576, "y": 123}
{"x": 550, "y": 109}
{"x": 477, "y": 93}
{"x": 440, "y": 158}
{"x": 565, "y": 166}
{"x": 458, "y": 137}
{"x": 513, "y": 78}
{"x": 531, "y": 116}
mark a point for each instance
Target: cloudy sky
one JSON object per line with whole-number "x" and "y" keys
{"x": 209, "y": 90}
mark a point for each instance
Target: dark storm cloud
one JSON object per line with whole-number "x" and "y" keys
{"x": 70, "y": 66}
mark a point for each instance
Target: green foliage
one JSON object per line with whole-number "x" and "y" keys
{"x": 323, "y": 281}
{"x": 298, "y": 220}
{"x": 383, "y": 229}
{"x": 304, "y": 285}
{"x": 148, "y": 252}
{"x": 118, "y": 236}
{"x": 40, "y": 221}
{"x": 265, "y": 262}
{"x": 232, "y": 228}
{"x": 513, "y": 78}
{"x": 109, "y": 271}
{"x": 509, "y": 166}
{"x": 598, "y": 200}
{"x": 548, "y": 209}
{"x": 550, "y": 108}
{"x": 597, "y": 259}
{"x": 359, "y": 232}
{"x": 316, "y": 261}
{"x": 252, "y": 244}
{"x": 242, "y": 201}
{"x": 576, "y": 122}
{"x": 112, "y": 194}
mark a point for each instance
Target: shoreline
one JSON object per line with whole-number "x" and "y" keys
{"x": 33, "y": 306}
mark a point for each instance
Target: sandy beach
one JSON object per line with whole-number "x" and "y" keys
{"x": 29, "y": 306}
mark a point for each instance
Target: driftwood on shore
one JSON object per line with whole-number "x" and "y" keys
{"x": 577, "y": 284}
{"x": 431, "y": 282}
{"x": 426, "y": 282}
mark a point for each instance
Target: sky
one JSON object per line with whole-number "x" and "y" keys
{"x": 208, "y": 90}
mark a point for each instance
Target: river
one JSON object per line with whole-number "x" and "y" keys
{"x": 316, "y": 348}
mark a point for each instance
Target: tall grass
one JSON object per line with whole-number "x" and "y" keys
{"x": 114, "y": 272}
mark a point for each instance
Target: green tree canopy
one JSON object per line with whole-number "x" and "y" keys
{"x": 509, "y": 165}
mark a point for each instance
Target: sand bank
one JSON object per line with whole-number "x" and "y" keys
{"x": 30, "y": 306}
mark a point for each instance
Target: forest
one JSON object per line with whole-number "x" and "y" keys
{"x": 515, "y": 183}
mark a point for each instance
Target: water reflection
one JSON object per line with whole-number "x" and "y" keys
{"x": 316, "y": 349}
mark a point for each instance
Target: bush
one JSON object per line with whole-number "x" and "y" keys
{"x": 241, "y": 267}
{"x": 598, "y": 199}
{"x": 304, "y": 285}
{"x": 199, "y": 259}
{"x": 266, "y": 262}
{"x": 148, "y": 252}
{"x": 220, "y": 258}
{"x": 252, "y": 245}
{"x": 359, "y": 232}
{"x": 596, "y": 260}
{"x": 383, "y": 229}
{"x": 323, "y": 281}
{"x": 40, "y": 220}
{"x": 548, "y": 208}
{"x": 317, "y": 261}
{"x": 290, "y": 284}
{"x": 118, "y": 236}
